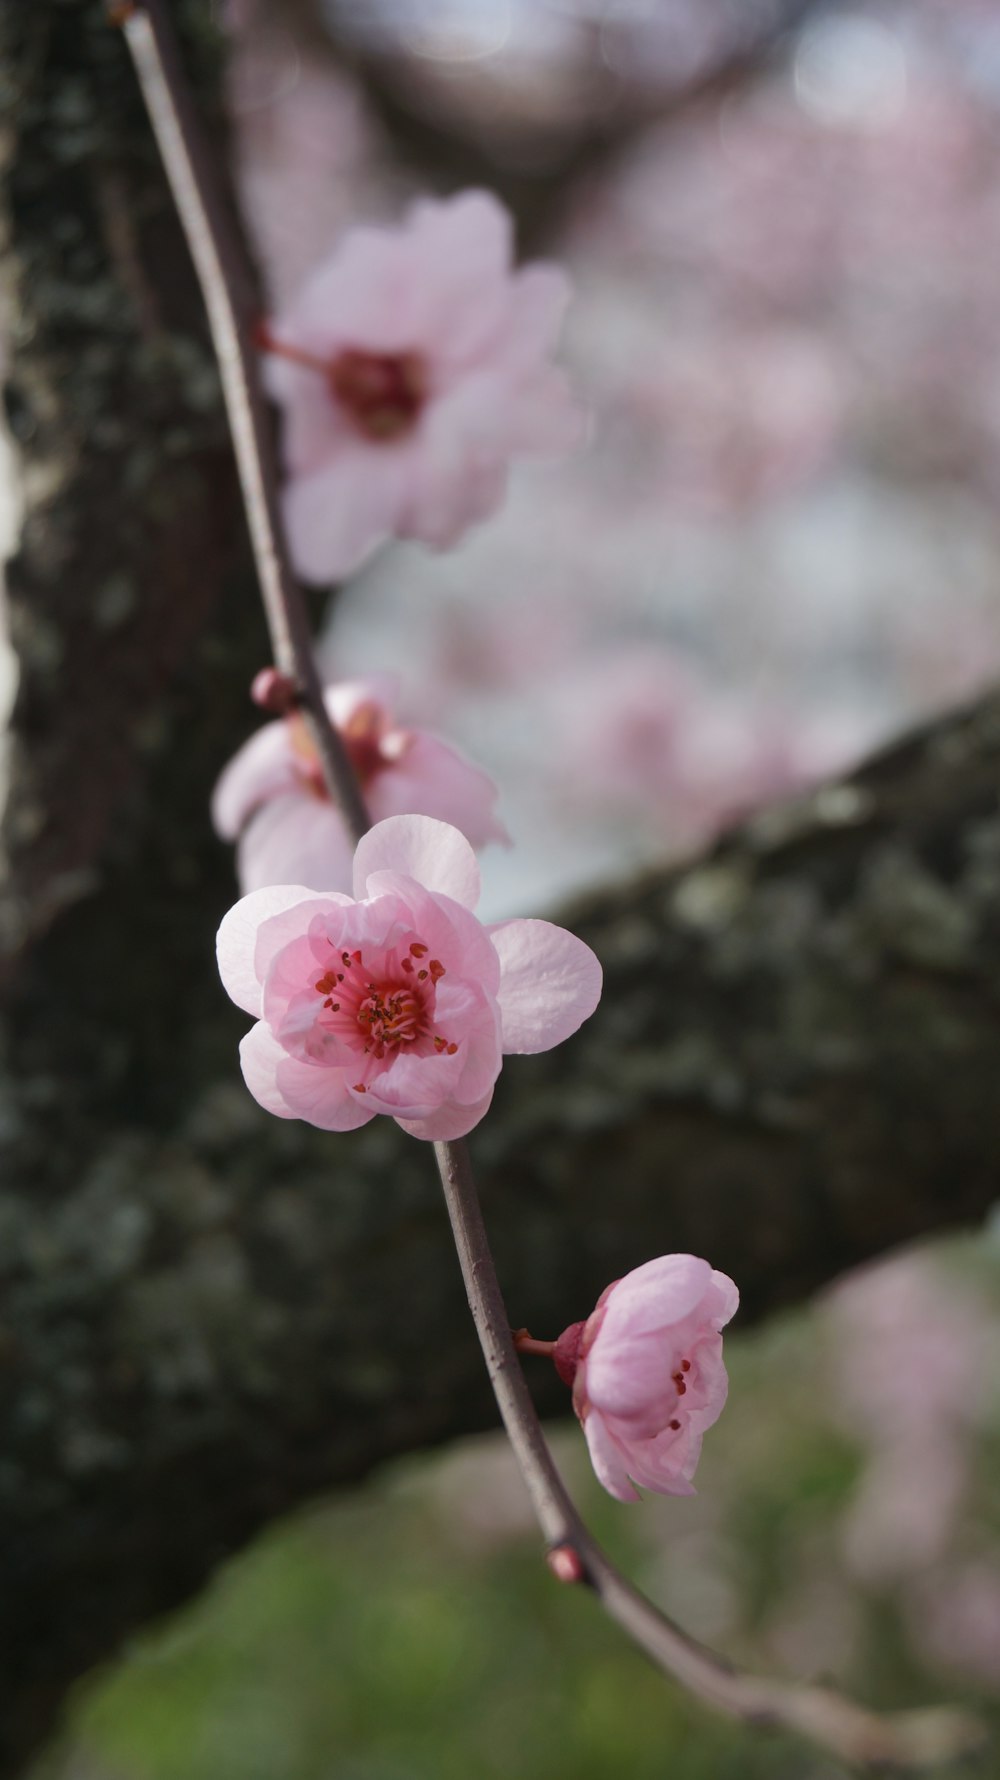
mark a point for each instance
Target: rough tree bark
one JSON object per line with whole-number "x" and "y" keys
{"x": 207, "y": 1314}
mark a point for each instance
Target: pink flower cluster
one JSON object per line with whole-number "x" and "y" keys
{"x": 272, "y": 800}
{"x": 412, "y": 366}
{"x": 647, "y": 1373}
{"x": 396, "y": 1000}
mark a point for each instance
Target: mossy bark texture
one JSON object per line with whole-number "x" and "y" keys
{"x": 207, "y": 1314}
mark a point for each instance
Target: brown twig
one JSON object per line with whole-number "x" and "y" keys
{"x": 225, "y": 284}
{"x": 905, "y": 1740}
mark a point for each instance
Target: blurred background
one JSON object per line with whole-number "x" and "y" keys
{"x": 780, "y": 547}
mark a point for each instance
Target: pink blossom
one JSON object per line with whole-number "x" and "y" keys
{"x": 647, "y": 1373}
{"x": 412, "y": 367}
{"x": 396, "y": 1000}
{"x": 271, "y": 796}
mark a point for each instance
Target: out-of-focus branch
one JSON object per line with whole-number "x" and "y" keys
{"x": 463, "y": 124}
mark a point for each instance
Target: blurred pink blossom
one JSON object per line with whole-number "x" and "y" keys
{"x": 648, "y": 733}
{"x": 909, "y": 1363}
{"x": 396, "y": 1000}
{"x": 908, "y": 1350}
{"x": 955, "y": 1618}
{"x": 412, "y": 367}
{"x": 272, "y": 800}
{"x": 904, "y": 1509}
{"x": 648, "y": 1375}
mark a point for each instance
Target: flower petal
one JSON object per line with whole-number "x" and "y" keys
{"x": 435, "y": 780}
{"x": 296, "y": 836}
{"x": 320, "y": 917}
{"x": 337, "y": 515}
{"x": 264, "y": 766}
{"x": 724, "y": 1299}
{"x": 320, "y": 1096}
{"x": 607, "y": 1460}
{"x": 550, "y": 982}
{"x": 434, "y": 853}
{"x": 236, "y": 943}
{"x": 655, "y": 1296}
{"x": 260, "y": 1055}
{"x": 448, "y": 1121}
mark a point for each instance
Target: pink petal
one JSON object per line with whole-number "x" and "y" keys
{"x": 723, "y": 1300}
{"x": 314, "y": 429}
{"x": 633, "y": 1383}
{"x": 296, "y": 836}
{"x": 550, "y": 982}
{"x": 451, "y": 932}
{"x": 660, "y": 1293}
{"x": 260, "y": 1055}
{"x": 448, "y": 1122}
{"x": 330, "y": 913}
{"x": 263, "y": 766}
{"x": 432, "y": 779}
{"x": 668, "y": 1463}
{"x": 435, "y": 854}
{"x": 459, "y": 473}
{"x": 236, "y": 944}
{"x": 475, "y": 1027}
{"x": 607, "y": 1460}
{"x": 337, "y": 515}
{"x": 461, "y": 252}
{"x": 414, "y": 1087}
{"x": 345, "y": 697}
{"x": 357, "y": 297}
{"x": 320, "y": 1096}
{"x": 714, "y": 1391}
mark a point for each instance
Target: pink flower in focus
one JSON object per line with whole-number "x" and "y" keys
{"x": 396, "y": 1000}
{"x": 647, "y": 1373}
{"x": 272, "y": 800}
{"x": 412, "y": 367}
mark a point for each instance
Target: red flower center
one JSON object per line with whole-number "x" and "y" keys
{"x": 383, "y": 392}
{"x": 388, "y": 1008}
{"x": 363, "y": 736}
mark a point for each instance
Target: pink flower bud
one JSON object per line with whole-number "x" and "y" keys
{"x": 274, "y": 691}
{"x": 649, "y": 1375}
{"x": 565, "y": 1563}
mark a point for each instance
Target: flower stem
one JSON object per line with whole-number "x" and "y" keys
{"x": 906, "y": 1740}
{"x": 526, "y": 1344}
{"x": 226, "y": 286}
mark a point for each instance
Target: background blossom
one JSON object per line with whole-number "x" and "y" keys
{"x": 411, "y": 367}
{"x": 271, "y": 798}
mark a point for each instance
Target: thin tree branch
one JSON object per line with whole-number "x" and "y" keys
{"x": 903, "y": 1740}
{"x": 224, "y": 283}
{"x": 906, "y": 1740}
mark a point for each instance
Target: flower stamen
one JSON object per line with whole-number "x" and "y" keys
{"x": 382, "y": 393}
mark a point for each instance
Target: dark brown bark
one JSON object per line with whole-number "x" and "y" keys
{"x": 208, "y": 1314}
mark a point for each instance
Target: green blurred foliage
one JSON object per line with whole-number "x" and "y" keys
{"x": 411, "y": 1633}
